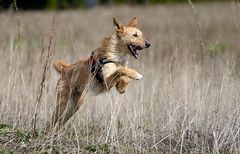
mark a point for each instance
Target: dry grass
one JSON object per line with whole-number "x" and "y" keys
{"x": 188, "y": 100}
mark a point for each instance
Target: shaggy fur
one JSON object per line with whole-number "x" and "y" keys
{"x": 76, "y": 79}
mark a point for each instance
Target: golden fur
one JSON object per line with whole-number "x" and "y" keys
{"x": 76, "y": 79}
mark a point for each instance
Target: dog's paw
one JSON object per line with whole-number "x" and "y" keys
{"x": 138, "y": 76}
{"x": 122, "y": 83}
{"x": 121, "y": 91}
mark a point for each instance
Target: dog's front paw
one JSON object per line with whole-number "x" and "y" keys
{"x": 121, "y": 88}
{"x": 122, "y": 84}
{"x": 121, "y": 91}
{"x": 138, "y": 76}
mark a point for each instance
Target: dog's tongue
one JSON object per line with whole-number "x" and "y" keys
{"x": 139, "y": 47}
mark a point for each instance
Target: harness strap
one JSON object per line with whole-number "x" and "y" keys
{"x": 96, "y": 66}
{"x": 103, "y": 61}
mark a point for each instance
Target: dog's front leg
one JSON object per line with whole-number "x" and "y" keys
{"x": 121, "y": 77}
{"x": 131, "y": 73}
{"x": 123, "y": 71}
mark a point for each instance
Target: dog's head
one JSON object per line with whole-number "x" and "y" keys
{"x": 131, "y": 36}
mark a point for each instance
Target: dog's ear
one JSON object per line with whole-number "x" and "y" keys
{"x": 118, "y": 26}
{"x": 133, "y": 22}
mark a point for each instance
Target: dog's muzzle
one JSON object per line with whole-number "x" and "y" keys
{"x": 147, "y": 44}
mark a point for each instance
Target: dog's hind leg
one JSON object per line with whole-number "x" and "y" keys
{"x": 72, "y": 106}
{"x": 63, "y": 91}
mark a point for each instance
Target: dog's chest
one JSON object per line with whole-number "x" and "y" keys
{"x": 124, "y": 60}
{"x": 96, "y": 87}
{"x": 108, "y": 69}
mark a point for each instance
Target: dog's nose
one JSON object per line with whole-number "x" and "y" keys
{"x": 147, "y": 44}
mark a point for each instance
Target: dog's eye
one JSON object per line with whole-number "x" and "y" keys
{"x": 135, "y": 35}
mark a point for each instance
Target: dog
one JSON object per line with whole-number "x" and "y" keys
{"x": 104, "y": 69}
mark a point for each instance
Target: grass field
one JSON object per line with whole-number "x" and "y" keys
{"x": 187, "y": 102}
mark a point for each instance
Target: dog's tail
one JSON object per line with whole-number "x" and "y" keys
{"x": 60, "y": 66}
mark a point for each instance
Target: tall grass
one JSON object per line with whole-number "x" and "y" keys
{"x": 186, "y": 102}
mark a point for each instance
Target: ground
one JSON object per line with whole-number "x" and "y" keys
{"x": 187, "y": 101}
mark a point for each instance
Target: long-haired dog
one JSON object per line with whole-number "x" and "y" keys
{"x": 104, "y": 69}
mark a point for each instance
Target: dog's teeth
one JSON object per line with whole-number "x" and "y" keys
{"x": 133, "y": 51}
{"x": 132, "y": 48}
{"x": 137, "y": 55}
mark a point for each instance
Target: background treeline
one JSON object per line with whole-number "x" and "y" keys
{"x": 65, "y": 4}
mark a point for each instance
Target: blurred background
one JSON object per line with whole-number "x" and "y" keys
{"x": 187, "y": 101}
{"x": 69, "y": 4}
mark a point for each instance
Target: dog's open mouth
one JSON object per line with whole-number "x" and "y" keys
{"x": 133, "y": 49}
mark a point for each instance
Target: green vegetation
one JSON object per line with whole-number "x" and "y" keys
{"x": 217, "y": 48}
{"x": 63, "y": 4}
{"x": 13, "y": 140}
